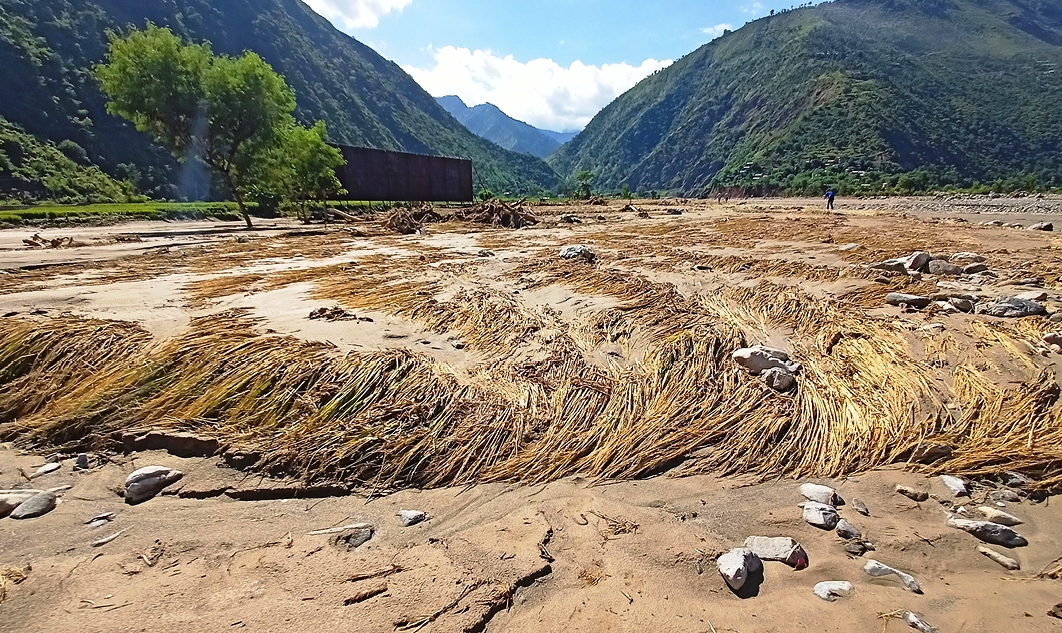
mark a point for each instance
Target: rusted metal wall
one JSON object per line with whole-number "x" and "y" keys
{"x": 377, "y": 175}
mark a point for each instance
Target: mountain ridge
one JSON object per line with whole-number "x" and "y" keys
{"x": 48, "y": 46}
{"x": 865, "y": 95}
{"x": 490, "y": 122}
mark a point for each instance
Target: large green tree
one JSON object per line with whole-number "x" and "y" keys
{"x": 231, "y": 113}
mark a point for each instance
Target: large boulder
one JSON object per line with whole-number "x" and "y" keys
{"x": 1011, "y": 308}
{"x": 35, "y": 506}
{"x": 941, "y": 267}
{"x": 11, "y": 499}
{"x": 781, "y": 549}
{"x": 737, "y": 565}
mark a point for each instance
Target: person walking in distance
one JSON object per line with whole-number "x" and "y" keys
{"x": 829, "y": 199}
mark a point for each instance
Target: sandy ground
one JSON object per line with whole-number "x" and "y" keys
{"x": 225, "y": 550}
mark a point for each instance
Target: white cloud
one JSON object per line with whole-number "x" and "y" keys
{"x": 540, "y": 92}
{"x": 717, "y": 30}
{"x": 753, "y": 8}
{"x": 356, "y": 14}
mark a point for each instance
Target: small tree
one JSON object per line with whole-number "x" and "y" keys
{"x": 232, "y": 113}
{"x": 626, "y": 192}
{"x": 584, "y": 179}
{"x": 300, "y": 169}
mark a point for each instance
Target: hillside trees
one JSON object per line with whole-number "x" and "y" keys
{"x": 233, "y": 114}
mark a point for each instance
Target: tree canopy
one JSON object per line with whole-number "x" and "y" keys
{"x": 233, "y": 114}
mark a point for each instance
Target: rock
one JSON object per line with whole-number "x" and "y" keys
{"x": 1000, "y": 517}
{"x": 1015, "y": 480}
{"x": 1032, "y": 295}
{"x": 779, "y": 379}
{"x": 736, "y": 565}
{"x": 832, "y": 590}
{"x": 972, "y": 258}
{"x": 45, "y": 469}
{"x": 821, "y": 494}
{"x": 781, "y": 549}
{"x": 860, "y": 507}
{"x": 1004, "y": 495}
{"x": 989, "y": 532}
{"x": 821, "y": 515}
{"x": 35, "y": 506}
{"x": 354, "y": 538}
{"x": 848, "y": 531}
{"x": 855, "y": 548}
{"x": 1042, "y": 226}
{"x": 1054, "y": 341}
{"x": 962, "y": 305}
{"x": 933, "y": 329}
{"x": 1011, "y": 308}
{"x": 879, "y": 570}
{"x": 759, "y": 359}
{"x": 882, "y": 280}
{"x": 941, "y": 267}
{"x": 145, "y": 483}
{"x": 955, "y": 485}
{"x": 570, "y": 218}
{"x": 902, "y": 299}
{"x": 1056, "y": 611}
{"x": 1056, "y": 317}
{"x": 1006, "y": 562}
{"x": 485, "y": 253}
{"x": 891, "y": 266}
{"x": 945, "y": 306}
{"x": 849, "y": 247}
{"x": 917, "y": 623}
{"x": 411, "y": 517}
{"x": 973, "y": 269}
{"x": 912, "y": 493}
{"x": 674, "y": 211}
{"x": 11, "y": 499}
{"x": 82, "y": 462}
{"x": 578, "y": 252}
{"x": 917, "y": 262}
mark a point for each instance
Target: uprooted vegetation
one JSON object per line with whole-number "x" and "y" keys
{"x": 612, "y": 392}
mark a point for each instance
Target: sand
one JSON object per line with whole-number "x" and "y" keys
{"x": 224, "y": 550}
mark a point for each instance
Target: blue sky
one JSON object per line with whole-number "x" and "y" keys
{"x": 551, "y": 63}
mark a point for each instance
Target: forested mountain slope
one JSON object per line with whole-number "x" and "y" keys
{"x": 488, "y": 121}
{"x": 860, "y": 94}
{"x": 47, "y": 48}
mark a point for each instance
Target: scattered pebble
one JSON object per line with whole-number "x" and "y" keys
{"x": 1011, "y": 308}
{"x": 1004, "y": 495}
{"x": 50, "y": 467}
{"x": 821, "y": 515}
{"x": 820, "y": 494}
{"x": 848, "y": 531}
{"x": 989, "y": 532}
{"x": 736, "y": 565}
{"x": 860, "y": 507}
{"x": 916, "y": 622}
{"x": 832, "y": 590}
{"x": 902, "y": 299}
{"x": 354, "y": 538}
{"x": 879, "y": 570}
{"x": 779, "y": 379}
{"x": 578, "y": 252}
{"x": 955, "y": 485}
{"x": 145, "y": 483}
{"x": 781, "y": 549}
{"x": 411, "y": 517}
{"x": 1005, "y": 561}
{"x": 912, "y": 493}
{"x": 35, "y": 506}
{"x": 1000, "y": 517}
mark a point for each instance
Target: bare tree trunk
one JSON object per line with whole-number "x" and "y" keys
{"x": 239, "y": 200}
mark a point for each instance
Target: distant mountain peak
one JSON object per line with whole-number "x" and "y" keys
{"x": 490, "y": 122}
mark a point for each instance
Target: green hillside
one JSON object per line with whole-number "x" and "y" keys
{"x": 864, "y": 95}
{"x": 47, "y": 48}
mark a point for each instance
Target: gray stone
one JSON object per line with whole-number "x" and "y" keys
{"x": 145, "y": 483}
{"x": 912, "y": 493}
{"x": 879, "y": 570}
{"x": 918, "y": 623}
{"x": 955, "y": 485}
{"x": 759, "y": 359}
{"x": 1056, "y": 317}
{"x": 860, "y": 507}
{"x": 485, "y": 253}
{"x": 411, "y": 517}
{"x": 941, "y": 267}
{"x": 45, "y": 469}
{"x": 970, "y": 258}
{"x": 820, "y": 494}
{"x": 989, "y": 532}
{"x": 1032, "y": 295}
{"x": 354, "y": 538}
{"x": 832, "y": 590}
{"x": 848, "y": 531}
{"x": 821, "y": 515}
{"x": 892, "y": 266}
{"x": 855, "y": 548}
{"x": 11, "y": 499}
{"x": 779, "y": 379}
{"x": 1005, "y": 561}
{"x": 781, "y": 549}
{"x": 902, "y": 299}
{"x": 849, "y": 247}
{"x": 736, "y": 565}
{"x": 1042, "y": 226}
{"x": 962, "y": 305}
{"x": 35, "y": 506}
{"x": 578, "y": 252}
{"x": 570, "y": 218}
{"x": 82, "y": 462}
{"x": 1011, "y": 308}
{"x": 918, "y": 262}
{"x": 999, "y": 516}
{"x": 1005, "y": 495}
{"x": 973, "y": 269}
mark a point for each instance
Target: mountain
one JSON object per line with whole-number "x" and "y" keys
{"x": 491, "y": 123}
{"x": 47, "y": 49}
{"x": 865, "y": 95}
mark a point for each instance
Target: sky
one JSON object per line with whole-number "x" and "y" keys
{"x": 551, "y": 63}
